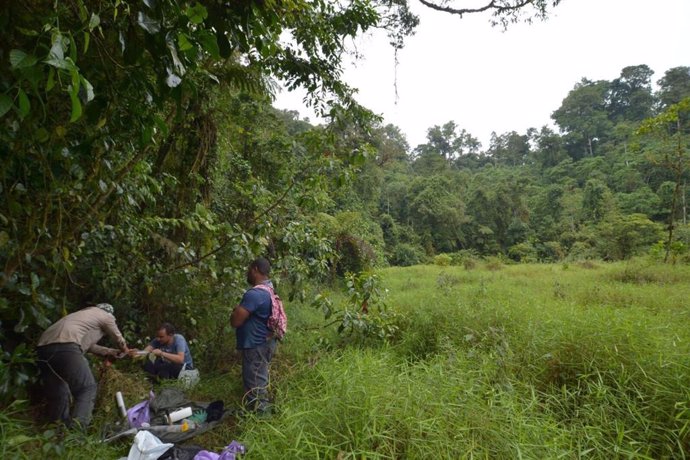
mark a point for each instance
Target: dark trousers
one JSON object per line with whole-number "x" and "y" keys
{"x": 255, "y": 375}
{"x": 161, "y": 369}
{"x": 65, "y": 373}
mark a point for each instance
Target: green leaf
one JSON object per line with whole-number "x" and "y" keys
{"x": 179, "y": 67}
{"x": 76, "y": 81}
{"x": 211, "y": 76}
{"x": 5, "y": 104}
{"x": 51, "y": 80}
{"x": 94, "y": 22}
{"x": 196, "y": 13}
{"x": 209, "y": 43}
{"x": 18, "y": 439}
{"x": 72, "y": 48}
{"x": 183, "y": 43}
{"x": 27, "y": 32}
{"x": 42, "y": 135}
{"x": 82, "y": 11}
{"x": 56, "y": 56}
{"x": 35, "y": 281}
{"x": 24, "y": 104}
{"x": 19, "y": 59}
{"x": 76, "y": 107}
{"x": 151, "y": 26}
{"x": 88, "y": 88}
{"x": 4, "y": 238}
{"x": 65, "y": 64}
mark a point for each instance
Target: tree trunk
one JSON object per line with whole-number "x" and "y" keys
{"x": 679, "y": 169}
{"x": 589, "y": 145}
{"x": 685, "y": 208}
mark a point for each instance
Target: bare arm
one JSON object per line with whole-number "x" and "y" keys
{"x": 110, "y": 327}
{"x": 239, "y": 316}
{"x": 133, "y": 351}
{"x": 177, "y": 358}
{"x": 103, "y": 351}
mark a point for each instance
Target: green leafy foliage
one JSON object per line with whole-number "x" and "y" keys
{"x": 363, "y": 317}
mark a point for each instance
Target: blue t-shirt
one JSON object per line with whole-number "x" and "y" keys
{"x": 178, "y": 344}
{"x": 254, "y": 331}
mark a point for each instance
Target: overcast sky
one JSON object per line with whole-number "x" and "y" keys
{"x": 489, "y": 80}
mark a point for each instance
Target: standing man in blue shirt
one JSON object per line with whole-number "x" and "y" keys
{"x": 255, "y": 340}
{"x": 171, "y": 352}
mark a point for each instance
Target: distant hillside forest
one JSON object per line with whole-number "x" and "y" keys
{"x": 609, "y": 184}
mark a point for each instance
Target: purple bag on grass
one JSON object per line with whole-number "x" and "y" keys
{"x": 140, "y": 413}
{"x": 229, "y": 453}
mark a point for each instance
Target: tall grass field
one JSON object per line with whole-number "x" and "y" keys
{"x": 572, "y": 361}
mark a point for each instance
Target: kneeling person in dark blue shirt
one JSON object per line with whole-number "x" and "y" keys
{"x": 171, "y": 352}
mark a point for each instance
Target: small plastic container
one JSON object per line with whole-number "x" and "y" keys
{"x": 178, "y": 415}
{"x": 121, "y": 403}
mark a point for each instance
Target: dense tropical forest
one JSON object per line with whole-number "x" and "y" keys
{"x": 143, "y": 164}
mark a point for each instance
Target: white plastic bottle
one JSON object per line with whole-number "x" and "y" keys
{"x": 121, "y": 403}
{"x": 179, "y": 415}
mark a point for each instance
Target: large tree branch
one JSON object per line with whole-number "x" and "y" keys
{"x": 492, "y": 5}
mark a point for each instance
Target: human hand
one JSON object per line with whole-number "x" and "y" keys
{"x": 132, "y": 352}
{"x": 157, "y": 352}
{"x": 111, "y": 354}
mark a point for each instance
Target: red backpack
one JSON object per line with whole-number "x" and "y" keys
{"x": 277, "y": 321}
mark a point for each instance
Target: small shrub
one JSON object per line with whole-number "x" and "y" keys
{"x": 354, "y": 254}
{"x": 442, "y": 260}
{"x": 523, "y": 252}
{"x": 636, "y": 274}
{"x": 469, "y": 264}
{"x": 551, "y": 251}
{"x": 558, "y": 290}
{"x": 464, "y": 258}
{"x": 405, "y": 255}
{"x": 679, "y": 251}
{"x": 587, "y": 264}
{"x": 581, "y": 251}
{"x": 494, "y": 264}
{"x": 445, "y": 281}
{"x": 364, "y": 318}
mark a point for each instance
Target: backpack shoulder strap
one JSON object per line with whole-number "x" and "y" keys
{"x": 264, "y": 287}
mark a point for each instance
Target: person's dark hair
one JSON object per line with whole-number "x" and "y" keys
{"x": 168, "y": 328}
{"x": 262, "y": 265}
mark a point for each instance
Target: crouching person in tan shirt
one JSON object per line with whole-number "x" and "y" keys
{"x": 64, "y": 369}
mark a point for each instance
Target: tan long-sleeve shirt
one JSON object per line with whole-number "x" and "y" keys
{"x": 85, "y": 328}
